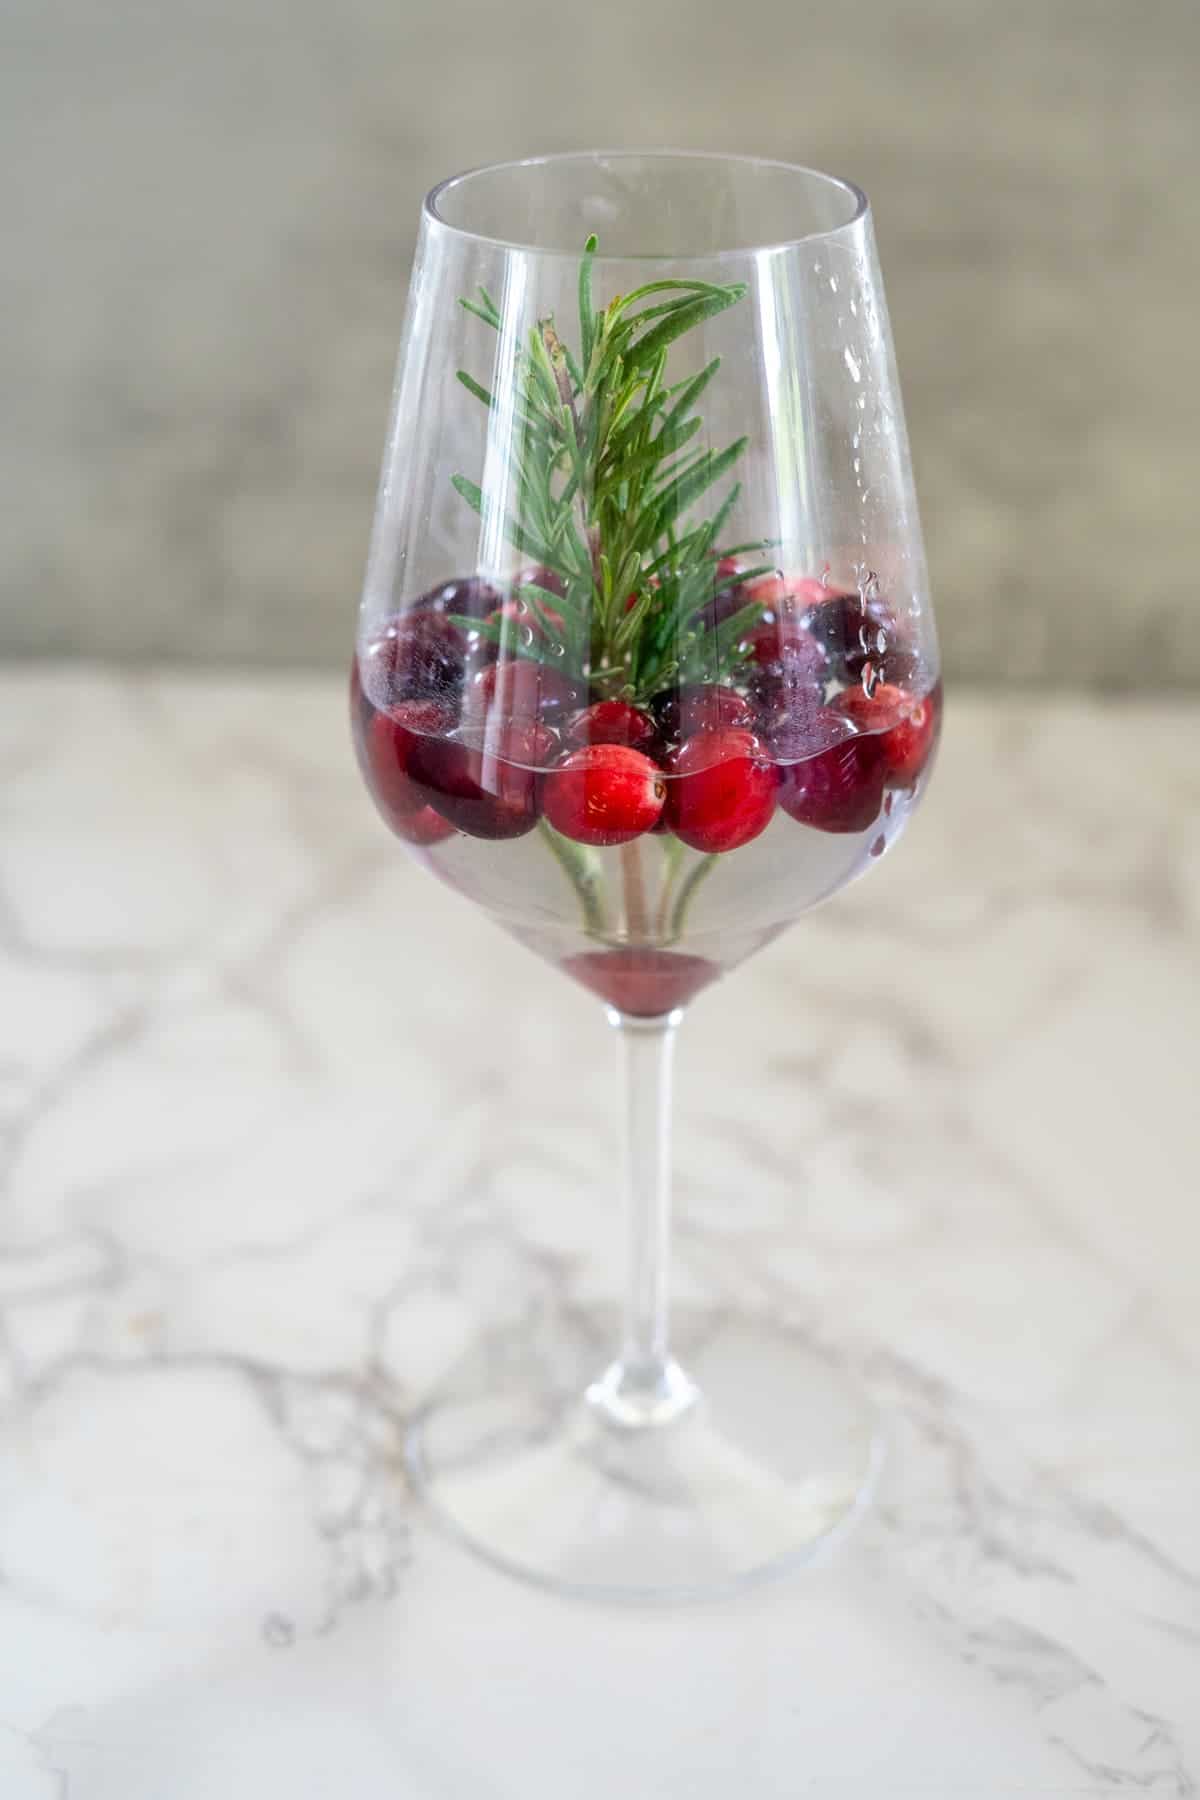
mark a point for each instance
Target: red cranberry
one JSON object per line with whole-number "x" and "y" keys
{"x": 486, "y": 780}
{"x": 644, "y": 983}
{"x": 908, "y": 725}
{"x": 723, "y": 791}
{"x": 699, "y": 706}
{"x": 416, "y": 655}
{"x": 839, "y": 789}
{"x": 517, "y": 688}
{"x": 612, "y": 722}
{"x": 604, "y": 794}
{"x": 386, "y": 746}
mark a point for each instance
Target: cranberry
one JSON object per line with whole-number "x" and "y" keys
{"x": 855, "y": 633}
{"x": 839, "y": 789}
{"x": 730, "y": 597}
{"x": 612, "y": 722}
{"x": 792, "y": 679}
{"x": 908, "y": 726}
{"x": 644, "y": 983}
{"x": 471, "y": 596}
{"x": 910, "y": 744}
{"x": 517, "y": 688}
{"x": 723, "y": 791}
{"x": 386, "y": 747}
{"x": 699, "y": 706}
{"x": 416, "y": 655}
{"x": 486, "y": 780}
{"x": 604, "y": 794}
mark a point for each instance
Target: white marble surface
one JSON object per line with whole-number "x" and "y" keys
{"x": 281, "y": 1123}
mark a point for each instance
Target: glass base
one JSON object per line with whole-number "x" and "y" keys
{"x": 672, "y": 1488}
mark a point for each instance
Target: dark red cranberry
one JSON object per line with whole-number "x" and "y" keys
{"x": 386, "y": 742}
{"x": 722, "y": 791}
{"x": 793, "y": 678}
{"x": 516, "y": 688}
{"x": 729, "y": 597}
{"x": 612, "y": 722}
{"x": 486, "y": 780}
{"x": 860, "y": 636}
{"x": 839, "y": 789}
{"x": 907, "y": 726}
{"x": 471, "y": 596}
{"x": 643, "y": 983}
{"x": 699, "y": 706}
{"x": 415, "y": 656}
{"x": 604, "y": 794}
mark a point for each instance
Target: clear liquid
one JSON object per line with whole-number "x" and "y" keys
{"x": 662, "y": 920}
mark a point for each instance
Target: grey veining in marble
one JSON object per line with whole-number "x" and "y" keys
{"x": 282, "y": 1127}
{"x": 209, "y": 209}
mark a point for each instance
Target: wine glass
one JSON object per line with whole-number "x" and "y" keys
{"x": 646, "y": 668}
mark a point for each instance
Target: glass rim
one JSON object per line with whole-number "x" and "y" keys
{"x": 431, "y": 213}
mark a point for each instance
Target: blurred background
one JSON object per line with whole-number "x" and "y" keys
{"x": 210, "y": 212}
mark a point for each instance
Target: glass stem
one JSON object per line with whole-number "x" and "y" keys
{"x": 645, "y": 1386}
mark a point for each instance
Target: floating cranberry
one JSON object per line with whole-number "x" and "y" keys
{"x": 910, "y": 744}
{"x": 699, "y": 706}
{"x": 908, "y": 726}
{"x": 417, "y": 655}
{"x": 723, "y": 789}
{"x": 729, "y": 597}
{"x": 855, "y": 633}
{"x": 839, "y": 789}
{"x": 386, "y": 741}
{"x": 519, "y": 689}
{"x": 612, "y": 722}
{"x": 604, "y": 794}
{"x": 486, "y": 780}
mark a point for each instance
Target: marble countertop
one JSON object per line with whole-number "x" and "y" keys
{"x": 281, "y": 1120}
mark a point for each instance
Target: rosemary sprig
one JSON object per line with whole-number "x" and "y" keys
{"x": 607, "y": 469}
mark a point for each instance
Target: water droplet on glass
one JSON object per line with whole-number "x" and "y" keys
{"x": 878, "y": 847}
{"x": 881, "y": 641}
{"x": 527, "y": 636}
{"x": 833, "y": 283}
{"x": 861, "y": 402}
{"x": 870, "y": 679}
{"x": 851, "y": 362}
{"x": 854, "y": 307}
